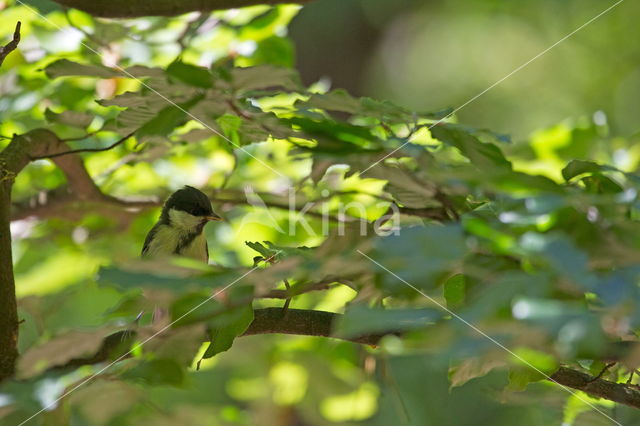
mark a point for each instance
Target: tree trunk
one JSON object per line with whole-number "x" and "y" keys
{"x": 8, "y": 307}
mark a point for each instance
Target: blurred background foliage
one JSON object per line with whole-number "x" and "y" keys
{"x": 426, "y": 54}
{"x": 541, "y": 249}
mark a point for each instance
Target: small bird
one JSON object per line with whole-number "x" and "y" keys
{"x": 179, "y": 229}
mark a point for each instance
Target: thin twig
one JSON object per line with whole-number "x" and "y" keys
{"x": 76, "y": 151}
{"x": 604, "y": 370}
{"x": 190, "y": 30}
{"x": 285, "y": 308}
{"x": 12, "y": 45}
{"x": 79, "y": 138}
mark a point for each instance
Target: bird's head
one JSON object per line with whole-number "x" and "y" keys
{"x": 188, "y": 209}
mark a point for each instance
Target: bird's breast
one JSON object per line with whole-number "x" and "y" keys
{"x": 196, "y": 248}
{"x": 169, "y": 240}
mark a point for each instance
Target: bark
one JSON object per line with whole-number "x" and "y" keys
{"x": 20, "y": 151}
{"x": 12, "y": 45}
{"x": 8, "y": 309}
{"x": 319, "y": 323}
{"x": 12, "y": 160}
{"x": 618, "y": 392}
{"x": 301, "y": 322}
{"x": 139, "y": 8}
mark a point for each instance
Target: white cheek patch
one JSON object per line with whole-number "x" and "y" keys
{"x": 184, "y": 220}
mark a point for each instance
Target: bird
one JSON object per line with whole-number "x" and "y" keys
{"x": 179, "y": 228}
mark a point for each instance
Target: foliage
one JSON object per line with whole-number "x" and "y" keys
{"x": 535, "y": 245}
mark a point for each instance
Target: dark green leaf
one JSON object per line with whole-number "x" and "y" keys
{"x": 454, "y": 291}
{"x": 222, "y": 337}
{"x": 70, "y": 118}
{"x": 579, "y": 167}
{"x": 65, "y": 67}
{"x": 156, "y": 372}
{"x": 481, "y": 154}
{"x": 61, "y": 349}
{"x": 360, "y": 320}
{"x": 190, "y": 74}
{"x": 264, "y": 77}
{"x": 167, "y": 120}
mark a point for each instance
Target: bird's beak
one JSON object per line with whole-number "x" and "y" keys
{"x": 213, "y": 217}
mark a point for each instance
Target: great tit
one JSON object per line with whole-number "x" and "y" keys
{"x": 179, "y": 229}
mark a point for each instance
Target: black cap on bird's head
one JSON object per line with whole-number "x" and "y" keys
{"x": 192, "y": 201}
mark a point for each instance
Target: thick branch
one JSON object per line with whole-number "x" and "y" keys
{"x": 12, "y": 45}
{"x": 61, "y": 203}
{"x": 301, "y": 322}
{"x": 618, "y": 392}
{"x": 12, "y": 160}
{"x": 319, "y": 323}
{"x": 139, "y": 8}
{"x": 38, "y": 143}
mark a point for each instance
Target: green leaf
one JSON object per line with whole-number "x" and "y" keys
{"x": 519, "y": 378}
{"x": 194, "y": 307}
{"x": 454, "y": 291}
{"x": 230, "y": 125}
{"x": 157, "y": 372}
{"x": 222, "y": 337}
{"x": 102, "y": 402}
{"x": 537, "y": 360}
{"x": 61, "y": 349}
{"x": 181, "y": 345}
{"x": 276, "y": 253}
{"x": 405, "y": 187}
{"x": 600, "y": 184}
{"x": 579, "y": 167}
{"x": 190, "y": 74}
{"x": 419, "y": 255}
{"x": 260, "y": 248}
{"x": 65, "y": 67}
{"x": 482, "y": 155}
{"x": 336, "y": 100}
{"x": 331, "y": 134}
{"x": 167, "y": 119}
{"x": 125, "y": 100}
{"x": 174, "y": 281}
{"x": 264, "y": 77}
{"x": 360, "y": 320}
{"x": 472, "y": 368}
{"x": 274, "y": 50}
{"x": 201, "y": 306}
{"x": 80, "y": 120}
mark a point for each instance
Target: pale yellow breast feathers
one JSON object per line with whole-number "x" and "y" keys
{"x": 167, "y": 239}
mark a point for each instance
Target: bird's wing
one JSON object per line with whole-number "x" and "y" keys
{"x": 147, "y": 240}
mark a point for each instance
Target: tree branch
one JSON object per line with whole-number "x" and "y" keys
{"x": 12, "y": 45}
{"x": 303, "y": 323}
{"x": 61, "y": 203}
{"x": 139, "y": 8}
{"x": 77, "y": 151}
{"x": 319, "y": 323}
{"x": 35, "y": 144}
{"x": 12, "y": 160}
{"x": 618, "y": 392}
